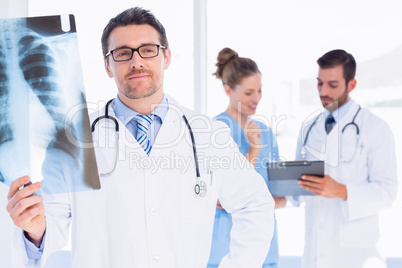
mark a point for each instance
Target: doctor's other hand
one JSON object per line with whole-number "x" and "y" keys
{"x": 280, "y": 202}
{"x": 326, "y": 186}
{"x": 27, "y": 210}
{"x": 253, "y": 134}
{"x": 218, "y": 205}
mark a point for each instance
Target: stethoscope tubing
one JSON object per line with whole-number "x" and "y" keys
{"x": 106, "y": 116}
{"x": 197, "y": 168}
{"x": 197, "y": 187}
{"x": 349, "y": 124}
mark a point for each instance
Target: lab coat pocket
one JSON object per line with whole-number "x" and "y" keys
{"x": 197, "y": 208}
{"x": 361, "y": 233}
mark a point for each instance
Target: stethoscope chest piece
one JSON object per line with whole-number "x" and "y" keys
{"x": 200, "y": 189}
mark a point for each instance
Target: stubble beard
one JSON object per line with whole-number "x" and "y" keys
{"x": 138, "y": 92}
{"x": 336, "y": 104}
{"x": 135, "y": 95}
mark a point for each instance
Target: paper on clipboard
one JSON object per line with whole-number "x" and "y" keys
{"x": 283, "y": 176}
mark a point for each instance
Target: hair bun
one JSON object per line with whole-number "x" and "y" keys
{"x": 224, "y": 56}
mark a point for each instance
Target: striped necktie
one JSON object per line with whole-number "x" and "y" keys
{"x": 329, "y": 123}
{"x": 143, "y": 124}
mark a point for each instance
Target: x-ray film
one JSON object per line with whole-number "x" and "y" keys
{"x": 44, "y": 124}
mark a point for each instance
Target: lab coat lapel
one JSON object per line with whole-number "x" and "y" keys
{"x": 316, "y": 142}
{"x": 348, "y": 117}
{"x": 171, "y": 132}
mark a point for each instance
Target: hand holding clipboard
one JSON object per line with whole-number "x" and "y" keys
{"x": 324, "y": 186}
{"x": 284, "y": 176}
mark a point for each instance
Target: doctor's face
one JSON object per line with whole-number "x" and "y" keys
{"x": 138, "y": 77}
{"x": 332, "y": 87}
{"x": 246, "y": 95}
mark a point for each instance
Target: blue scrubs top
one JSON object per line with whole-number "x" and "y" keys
{"x": 223, "y": 220}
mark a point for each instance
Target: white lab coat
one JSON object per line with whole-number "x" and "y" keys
{"x": 149, "y": 216}
{"x": 345, "y": 233}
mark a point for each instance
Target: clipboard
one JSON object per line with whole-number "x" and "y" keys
{"x": 283, "y": 176}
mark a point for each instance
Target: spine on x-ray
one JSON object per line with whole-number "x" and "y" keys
{"x": 6, "y": 133}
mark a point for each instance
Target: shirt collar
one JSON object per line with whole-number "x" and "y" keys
{"x": 339, "y": 113}
{"x": 125, "y": 114}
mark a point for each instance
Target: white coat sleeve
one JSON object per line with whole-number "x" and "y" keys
{"x": 378, "y": 191}
{"x": 245, "y": 195}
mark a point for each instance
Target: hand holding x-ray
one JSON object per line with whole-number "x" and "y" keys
{"x": 26, "y": 209}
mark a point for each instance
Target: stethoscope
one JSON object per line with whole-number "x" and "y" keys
{"x": 351, "y": 124}
{"x": 200, "y": 187}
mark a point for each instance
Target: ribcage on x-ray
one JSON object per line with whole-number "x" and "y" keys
{"x": 42, "y": 122}
{"x": 37, "y": 65}
{"x": 5, "y": 129}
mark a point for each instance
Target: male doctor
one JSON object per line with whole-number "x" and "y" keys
{"x": 145, "y": 215}
{"x": 342, "y": 228}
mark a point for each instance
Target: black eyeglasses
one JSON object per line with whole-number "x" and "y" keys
{"x": 126, "y": 53}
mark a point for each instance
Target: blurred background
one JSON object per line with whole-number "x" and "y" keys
{"x": 285, "y": 38}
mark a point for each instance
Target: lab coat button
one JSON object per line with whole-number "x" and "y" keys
{"x": 156, "y": 258}
{"x": 153, "y": 211}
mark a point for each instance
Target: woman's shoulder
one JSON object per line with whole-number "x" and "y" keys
{"x": 223, "y": 117}
{"x": 261, "y": 125}
{"x": 227, "y": 119}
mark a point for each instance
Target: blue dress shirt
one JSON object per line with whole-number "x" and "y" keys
{"x": 127, "y": 116}
{"x": 339, "y": 113}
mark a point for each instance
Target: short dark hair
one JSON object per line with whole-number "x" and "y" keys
{"x": 338, "y": 57}
{"x": 133, "y": 16}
